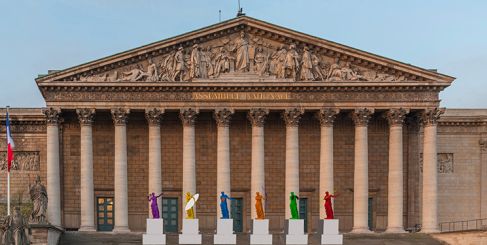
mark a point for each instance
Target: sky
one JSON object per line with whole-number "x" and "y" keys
{"x": 36, "y": 36}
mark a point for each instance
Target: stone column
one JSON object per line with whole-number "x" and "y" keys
{"x": 53, "y": 174}
{"x": 257, "y": 117}
{"x": 119, "y": 117}
{"x": 188, "y": 117}
{"x": 361, "y": 118}
{"x": 327, "y": 117}
{"x": 153, "y": 117}
{"x": 87, "y": 194}
{"x": 429, "y": 120}
{"x": 223, "y": 169}
{"x": 291, "y": 118}
{"x": 395, "y": 118}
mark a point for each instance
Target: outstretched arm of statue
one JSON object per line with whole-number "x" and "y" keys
{"x": 160, "y": 195}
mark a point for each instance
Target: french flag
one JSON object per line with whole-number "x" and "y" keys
{"x": 10, "y": 145}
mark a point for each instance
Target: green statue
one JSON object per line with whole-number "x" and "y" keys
{"x": 294, "y": 206}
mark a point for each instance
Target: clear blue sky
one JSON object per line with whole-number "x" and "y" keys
{"x": 39, "y": 35}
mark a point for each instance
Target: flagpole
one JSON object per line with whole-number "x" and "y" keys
{"x": 8, "y": 179}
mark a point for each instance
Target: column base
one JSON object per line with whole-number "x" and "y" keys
{"x": 361, "y": 230}
{"x": 87, "y": 229}
{"x": 121, "y": 229}
{"x": 395, "y": 230}
{"x": 429, "y": 230}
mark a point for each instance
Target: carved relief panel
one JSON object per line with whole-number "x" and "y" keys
{"x": 242, "y": 53}
{"x": 445, "y": 163}
{"x": 23, "y": 161}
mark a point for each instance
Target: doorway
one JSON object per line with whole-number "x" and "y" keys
{"x": 104, "y": 213}
{"x": 170, "y": 211}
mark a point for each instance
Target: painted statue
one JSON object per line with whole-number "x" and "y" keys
{"x": 38, "y": 196}
{"x": 153, "y": 205}
{"x": 14, "y": 229}
{"x": 294, "y": 206}
{"x": 328, "y": 205}
{"x": 224, "y": 205}
{"x": 258, "y": 206}
{"x": 189, "y": 212}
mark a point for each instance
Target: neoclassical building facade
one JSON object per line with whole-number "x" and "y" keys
{"x": 244, "y": 106}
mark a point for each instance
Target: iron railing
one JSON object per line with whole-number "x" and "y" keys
{"x": 465, "y": 225}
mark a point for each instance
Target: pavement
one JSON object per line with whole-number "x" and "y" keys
{"x": 108, "y": 238}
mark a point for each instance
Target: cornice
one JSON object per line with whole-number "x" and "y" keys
{"x": 241, "y": 87}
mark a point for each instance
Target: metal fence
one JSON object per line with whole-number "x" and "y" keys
{"x": 466, "y": 225}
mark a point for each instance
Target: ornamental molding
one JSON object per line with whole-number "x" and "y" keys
{"x": 223, "y": 117}
{"x": 120, "y": 116}
{"x": 292, "y": 116}
{"x": 52, "y": 116}
{"x": 361, "y": 116}
{"x": 154, "y": 116}
{"x": 86, "y": 116}
{"x": 327, "y": 116}
{"x": 257, "y": 116}
{"x": 188, "y": 116}
{"x": 395, "y": 117}
{"x": 429, "y": 117}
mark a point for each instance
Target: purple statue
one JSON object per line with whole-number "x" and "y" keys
{"x": 155, "y": 209}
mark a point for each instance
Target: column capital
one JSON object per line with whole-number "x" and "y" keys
{"x": 120, "y": 116}
{"x": 86, "y": 116}
{"x": 257, "y": 116}
{"x": 188, "y": 116}
{"x": 52, "y": 116}
{"x": 292, "y": 116}
{"x": 154, "y": 116}
{"x": 396, "y": 116}
{"x": 361, "y": 116}
{"x": 429, "y": 117}
{"x": 223, "y": 116}
{"x": 327, "y": 116}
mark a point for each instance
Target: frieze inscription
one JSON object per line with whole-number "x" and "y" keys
{"x": 240, "y": 96}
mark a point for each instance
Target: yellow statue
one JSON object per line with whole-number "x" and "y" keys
{"x": 258, "y": 206}
{"x": 189, "y": 212}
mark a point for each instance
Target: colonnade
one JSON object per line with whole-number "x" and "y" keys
{"x": 256, "y": 116}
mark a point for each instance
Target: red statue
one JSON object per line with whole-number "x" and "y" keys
{"x": 328, "y": 205}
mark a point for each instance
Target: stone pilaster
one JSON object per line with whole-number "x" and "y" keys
{"x": 188, "y": 117}
{"x": 223, "y": 170}
{"x": 257, "y": 119}
{"x": 361, "y": 119}
{"x": 291, "y": 118}
{"x": 120, "y": 117}
{"x": 87, "y": 194}
{"x": 154, "y": 117}
{"x": 429, "y": 119}
{"x": 395, "y": 118}
{"x": 53, "y": 174}
{"x": 327, "y": 118}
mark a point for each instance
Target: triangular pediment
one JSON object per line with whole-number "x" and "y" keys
{"x": 244, "y": 49}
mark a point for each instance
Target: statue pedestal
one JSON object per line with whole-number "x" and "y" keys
{"x": 190, "y": 233}
{"x": 45, "y": 234}
{"x": 330, "y": 232}
{"x": 224, "y": 232}
{"x": 260, "y": 232}
{"x": 154, "y": 232}
{"x": 295, "y": 232}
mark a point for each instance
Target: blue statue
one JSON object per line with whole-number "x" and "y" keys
{"x": 224, "y": 206}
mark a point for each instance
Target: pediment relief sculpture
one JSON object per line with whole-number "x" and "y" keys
{"x": 242, "y": 53}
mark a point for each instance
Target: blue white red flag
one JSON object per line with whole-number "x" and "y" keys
{"x": 10, "y": 145}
